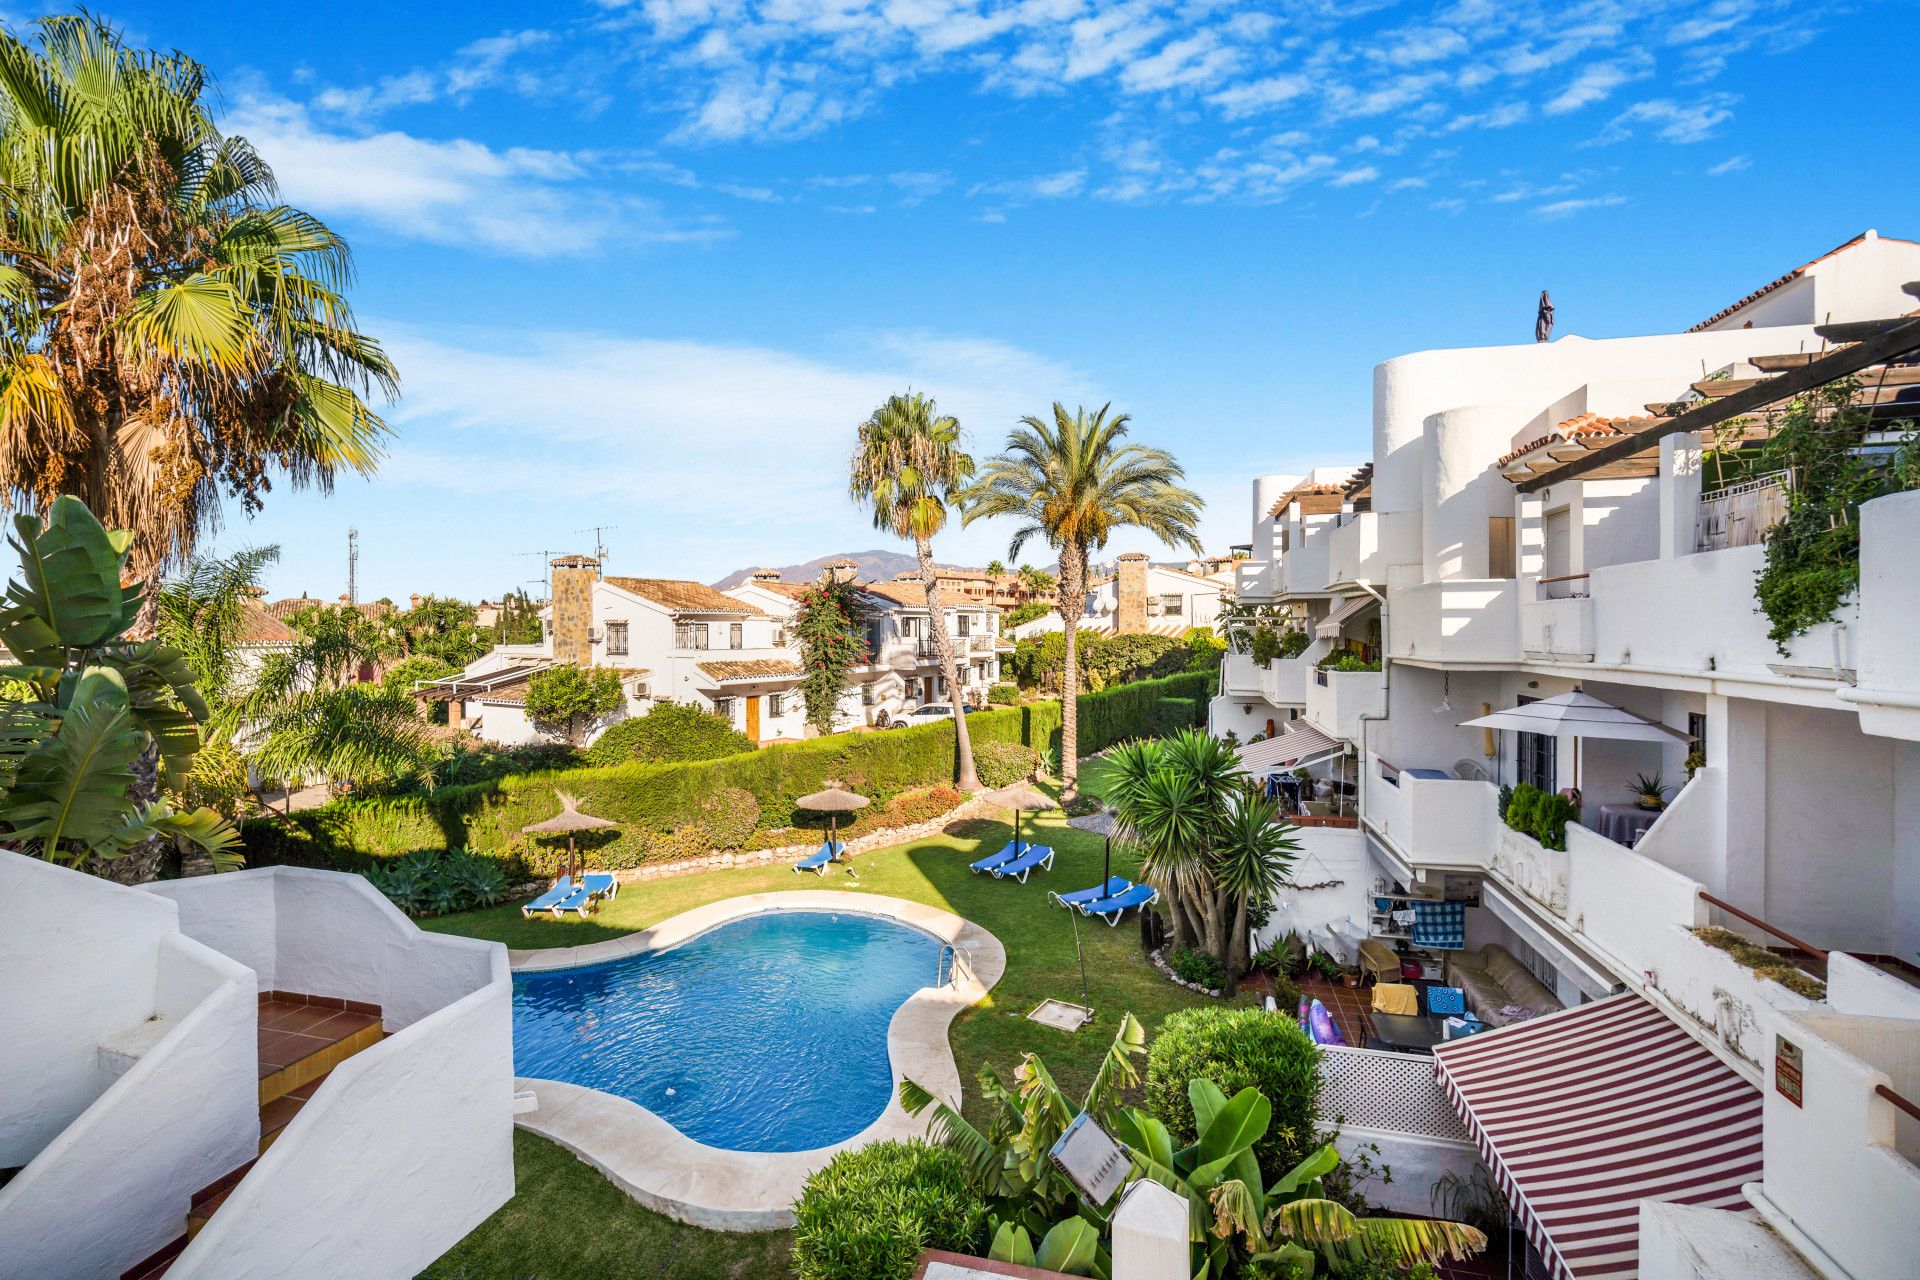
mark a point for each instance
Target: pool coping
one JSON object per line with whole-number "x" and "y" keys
{"x": 667, "y": 1171}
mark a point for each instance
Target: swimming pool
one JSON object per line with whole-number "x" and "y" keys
{"x": 767, "y": 1033}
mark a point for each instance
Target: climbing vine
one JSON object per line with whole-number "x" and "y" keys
{"x": 1837, "y": 458}
{"x": 832, "y": 631}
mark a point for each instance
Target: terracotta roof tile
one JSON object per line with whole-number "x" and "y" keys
{"x": 1580, "y": 427}
{"x": 1307, "y": 489}
{"x": 751, "y": 669}
{"x": 259, "y": 626}
{"x": 681, "y": 596}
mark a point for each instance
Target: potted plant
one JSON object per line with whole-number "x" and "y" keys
{"x": 1650, "y": 792}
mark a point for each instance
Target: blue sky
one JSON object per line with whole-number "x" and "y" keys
{"x": 647, "y": 264}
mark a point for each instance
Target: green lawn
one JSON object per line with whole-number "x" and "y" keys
{"x": 1038, "y": 936}
{"x": 567, "y": 1221}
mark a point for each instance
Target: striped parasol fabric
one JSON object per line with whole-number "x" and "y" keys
{"x": 1583, "y": 1114}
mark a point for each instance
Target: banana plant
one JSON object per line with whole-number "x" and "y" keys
{"x": 1236, "y": 1219}
{"x": 95, "y": 702}
{"x": 1027, "y": 1194}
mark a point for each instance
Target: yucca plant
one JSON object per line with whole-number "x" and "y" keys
{"x": 96, "y": 704}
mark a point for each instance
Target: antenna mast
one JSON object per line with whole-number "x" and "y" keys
{"x": 353, "y": 566}
{"x": 599, "y": 542}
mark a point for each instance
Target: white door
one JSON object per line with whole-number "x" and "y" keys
{"x": 1559, "y": 553}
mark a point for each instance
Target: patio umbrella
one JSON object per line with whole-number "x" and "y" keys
{"x": 833, "y": 802}
{"x": 569, "y": 820}
{"x": 1022, "y": 798}
{"x": 1577, "y": 715}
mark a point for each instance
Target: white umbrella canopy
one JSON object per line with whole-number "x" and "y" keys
{"x": 1577, "y": 715}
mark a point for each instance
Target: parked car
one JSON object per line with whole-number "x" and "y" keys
{"x": 931, "y": 713}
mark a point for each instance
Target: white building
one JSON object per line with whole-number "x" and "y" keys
{"x": 261, "y": 1073}
{"x": 903, "y": 667}
{"x": 1140, "y": 597}
{"x": 668, "y": 639}
{"x": 1539, "y": 519}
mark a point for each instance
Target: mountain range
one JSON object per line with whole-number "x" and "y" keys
{"x": 875, "y": 566}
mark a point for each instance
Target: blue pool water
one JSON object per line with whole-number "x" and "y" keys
{"x": 764, "y": 1034}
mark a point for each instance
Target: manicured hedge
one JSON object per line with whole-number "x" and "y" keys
{"x": 868, "y": 1214}
{"x": 649, "y": 800}
{"x": 1238, "y": 1049}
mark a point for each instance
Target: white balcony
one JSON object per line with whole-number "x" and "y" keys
{"x": 1430, "y": 822}
{"x": 1336, "y": 700}
{"x": 1555, "y": 629}
{"x": 1362, "y": 548}
{"x": 1458, "y": 620}
{"x": 1696, "y": 614}
{"x": 1303, "y": 569}
{"x": 1252, "y": 580}
{"x": 1240, "y": 676}
{"x": 1283, "y": 682}
{"x": 1888, "y": 694}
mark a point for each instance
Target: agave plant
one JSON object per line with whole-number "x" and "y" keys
{"x": 1237, "y": 1219}
{"x": 96, "y": 703}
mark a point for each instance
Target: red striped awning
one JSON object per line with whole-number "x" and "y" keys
{"x": 1583, "y": 1114}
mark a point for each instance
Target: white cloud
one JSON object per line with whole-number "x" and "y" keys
{"x": 665, "y": 436}
{"x": 1046, "y": 186}
{"x": 1259, "y": 95}
{"x": 1676, "y": 122}
{"x": 1732, "y": 164}
{"x": 1567, "y": 208}
{"x": 453, "y": 191}
{"x": 1354, "y": 177}
{"x": 1594, "y": 84}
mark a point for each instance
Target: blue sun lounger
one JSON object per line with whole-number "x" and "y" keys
{"x": 1038, "y": 857}
{"x": 817, "y": 860}
{"x": 1000, "y": 859}
{"x": 563, "y": 888}
{"x": 582, "y": 902}
{"x": 601, "y": 884}
{"x": 1116, "y": 885}
{"x": 1111, "y": 909}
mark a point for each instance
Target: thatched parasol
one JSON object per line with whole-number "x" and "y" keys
{"x": 833, "y": 802}
{"x": 568, "y": 820}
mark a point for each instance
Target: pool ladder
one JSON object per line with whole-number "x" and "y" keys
{"x": 943, "y": 975}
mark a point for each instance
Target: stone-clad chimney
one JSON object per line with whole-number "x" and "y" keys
{"x": 1130, "y": 585}
{"x": 839, "y": 571}
{"x": 573, "y": 579}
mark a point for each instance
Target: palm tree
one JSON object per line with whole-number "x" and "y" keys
{"x": 996, "y": 569}
{"x": 907, "y": 465}
{"x": 1072, "y": 482}
{"x": 1206, "y": 841}
{"x": 169, "y": 332}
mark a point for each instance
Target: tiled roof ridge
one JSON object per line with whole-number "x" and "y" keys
{"x": 1582, "y": 424}
{"x": 1787, "y": 279}
{"x": 683, "y": 595}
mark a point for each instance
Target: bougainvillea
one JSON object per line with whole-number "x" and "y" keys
{"x": 832, "y": 630}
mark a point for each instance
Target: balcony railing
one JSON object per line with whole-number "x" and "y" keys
{"x": 1740, "y": 514}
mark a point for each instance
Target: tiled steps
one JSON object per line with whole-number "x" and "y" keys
{"x": 301, "y": 1039}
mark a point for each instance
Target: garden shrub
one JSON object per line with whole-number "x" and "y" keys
{"x": 647, "y": 798}
{"x": 1171, "y": 715}
{"x": 1347, "y": 660}
{"x": 428, "y": 882}
{"x": 731, "y": 814}
{"x": 1239, "y": 1049}
{"x": 672, "y": 731}
{"x": 1003, "y": 695}
{"x": 1197, "y": 967}
{"x": 1001, "y": 764}
{"x": 868, "y": 1213}
{"x": 1544, "y": 815}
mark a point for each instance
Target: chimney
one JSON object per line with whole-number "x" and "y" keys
{"x": 839, "y": 571}
{"x": 764, "y": 575}
{"x": 1130, "y": 584}
{"x": 573, "y": 579}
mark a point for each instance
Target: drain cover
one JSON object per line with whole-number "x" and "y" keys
{"x": 1061, "y": 1014}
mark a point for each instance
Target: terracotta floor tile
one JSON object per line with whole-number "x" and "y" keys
{"x": 340, "y": 1024}
{"x": 294, "y": 1017}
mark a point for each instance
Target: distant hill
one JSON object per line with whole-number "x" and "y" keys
{"x": 875, "y": 566}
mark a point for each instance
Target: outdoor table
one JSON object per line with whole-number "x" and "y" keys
{"x": 1408, "y": 1032}
{"x": 1625, "y": 823}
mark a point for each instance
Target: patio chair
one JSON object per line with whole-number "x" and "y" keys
{"x": 601, "y": 884}
{"x": 817, "y": 860}
{"x": 1378, "y": 960}
{"x": 562, "y": 889}
{"x": 580, "y": 902}
{"x": 1038, "y": 857}
{"x": 1004, "y": 856}
{"x": 1114, "y": 885}
{"x": 1111, "y": 909}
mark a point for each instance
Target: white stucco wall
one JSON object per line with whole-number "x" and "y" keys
{"x": 1888, "y": 695}
{"x": 1334, "y": 918}
{"x": 114, "y": 1185}
{"x": 77, "y": 958}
